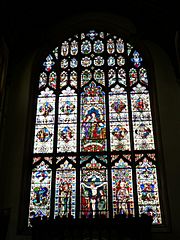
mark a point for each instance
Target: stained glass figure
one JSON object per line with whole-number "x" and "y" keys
{"x": 40, "y": 194}
{"x": 122, "y": 188}
{"x": 148, "y": 196}
{"x": 65, "y": 197}
{"x": 93, "y": 123}
{"x": 93, "y": 189}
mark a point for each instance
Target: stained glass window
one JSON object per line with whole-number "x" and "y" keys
{"x": 94, "y": 150}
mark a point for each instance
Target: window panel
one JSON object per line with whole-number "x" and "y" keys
{"x": 67, "y": 119}
{"x": 94, "y": 189}
{"x": 147, "y": 188}
{"x": 122, "y": 188}
{"x": 65, "y": 189}
{"x": 45, "y": 118}
{"x": 142, "y": 120}
{"x": 40, "y": 194}
{"x": 118, "y": 119}
{"x": 93, "y": 125}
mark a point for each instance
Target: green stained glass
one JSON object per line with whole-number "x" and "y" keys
{"x": 86, "y": 76}
{"x": 99, "y": 76}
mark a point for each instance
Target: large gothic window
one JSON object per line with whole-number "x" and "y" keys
{"x": 94, "y": 146}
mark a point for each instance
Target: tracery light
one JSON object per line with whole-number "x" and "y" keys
{"x": 93, "y": 132}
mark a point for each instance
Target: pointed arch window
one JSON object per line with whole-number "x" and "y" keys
{"x": 94, "y": 146}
